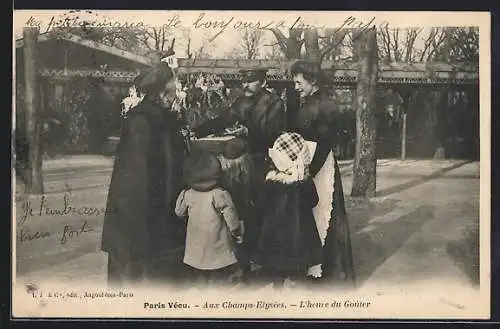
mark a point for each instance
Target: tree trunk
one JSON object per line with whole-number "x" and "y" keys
{"x": 311, "y": 44}
{"x": 188, "y": 51}
{"x": 365, "y": 163}
{"x": 294, "y": 44}
{"x": 335, "y": 43}
{"x": 441, "y": 126}
{"x": 356, "y": 50}
{"x": 34, "y": 178}
{"x": 290, "y": 46}
{"x": 356, "y": 45}
{"x": 403, "y": 126}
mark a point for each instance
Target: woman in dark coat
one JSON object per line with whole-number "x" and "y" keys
{"x": 289, "y": 242}
{"x": 140, "y": 226}
{"x": 318, "y": 120}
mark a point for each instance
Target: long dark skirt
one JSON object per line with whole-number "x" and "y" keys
{"x": 289, "y": 241}
{"x": 125, "y": 272}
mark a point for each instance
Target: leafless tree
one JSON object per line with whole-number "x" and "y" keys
{"x": 364, "y": 169}
{"x": 461, "y": 44}
{"x": 123, "y": 38}
{"x": 411, "y": 37}
{"x": 251, "y": 42}
{"x": 290, "y": 46}
{"x": 156, "y": 40}
{"x": 384, "y": 40}
{"x": 316, "y": 47}
{"x": 397, "y": 44}
{"x": 438, "y": 43}
{"x": 343, "y": 50}
{"x": 186, "y": 34}
{"x": 434, "y": 40}
{"x": 274, "y": 53}
{"x": 204, "y": 51}
{"x": 234, "y": 53}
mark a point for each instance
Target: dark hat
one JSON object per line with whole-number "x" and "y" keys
{"x": 234, "y": 148}
{"x": 253, "y": 75}
{"x": 202, "y": 170}
{"x": 153, "y": 80}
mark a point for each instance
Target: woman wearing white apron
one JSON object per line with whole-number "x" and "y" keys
{"x": 318, "y": 120}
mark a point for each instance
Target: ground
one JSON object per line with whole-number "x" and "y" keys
{"x": 423, "y": 223}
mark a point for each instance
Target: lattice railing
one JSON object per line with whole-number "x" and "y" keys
{"x": 124, "y": 76}
{"x": 341, "y": 77}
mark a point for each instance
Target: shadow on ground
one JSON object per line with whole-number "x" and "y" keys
{"x": 371, "y": 249}
{"x": 420, "y": 180}
{"x": 360, "y": 211}
{"x": 465, "y": 253}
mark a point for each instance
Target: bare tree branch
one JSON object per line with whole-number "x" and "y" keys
{"x": 163, "y": 37}
{"x": 292, "y": 45}
{"x": 251, "y": 42}
{"x": 436, "y": 43}
{"x": 311, "y": 44}
{"x": 337, "y": 39}
{"x": 411, "y": 37}
{"x": 396, "y": 50}
{"x": 281, "y": 39}
{"x": 385, "y": 41}
{"x": 187, "y": 35}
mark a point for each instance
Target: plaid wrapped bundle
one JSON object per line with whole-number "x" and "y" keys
{"x": 291, "y": 155}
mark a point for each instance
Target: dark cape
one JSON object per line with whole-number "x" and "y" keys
{"x": 140, "y": 227}
{"x": 289, "y": 241}
{"x": 318, "y": 120}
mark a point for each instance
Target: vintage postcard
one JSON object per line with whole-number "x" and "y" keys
{"x": 251, "y": 165}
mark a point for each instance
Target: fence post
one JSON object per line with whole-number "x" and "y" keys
{"x": 403, "y": 139}
{"x": 34, "y": 178}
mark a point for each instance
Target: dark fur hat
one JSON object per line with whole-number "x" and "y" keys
{"x": 152, "y": 82}
{"x": 202, "y": 170}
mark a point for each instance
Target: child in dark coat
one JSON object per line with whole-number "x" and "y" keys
{"x": 289, "y": 240}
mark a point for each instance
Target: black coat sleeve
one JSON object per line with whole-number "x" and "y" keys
{"x": 325, "y": 126}
{"x": 276, "y": 120}
{"x": 322, "y": 150}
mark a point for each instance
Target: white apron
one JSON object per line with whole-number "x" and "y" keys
{"x": 324, "y": 181}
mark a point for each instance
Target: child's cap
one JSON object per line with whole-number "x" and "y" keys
{"x": 201, "y": 169}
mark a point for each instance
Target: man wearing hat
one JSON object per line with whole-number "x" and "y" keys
{"x": 263, "y": 114}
